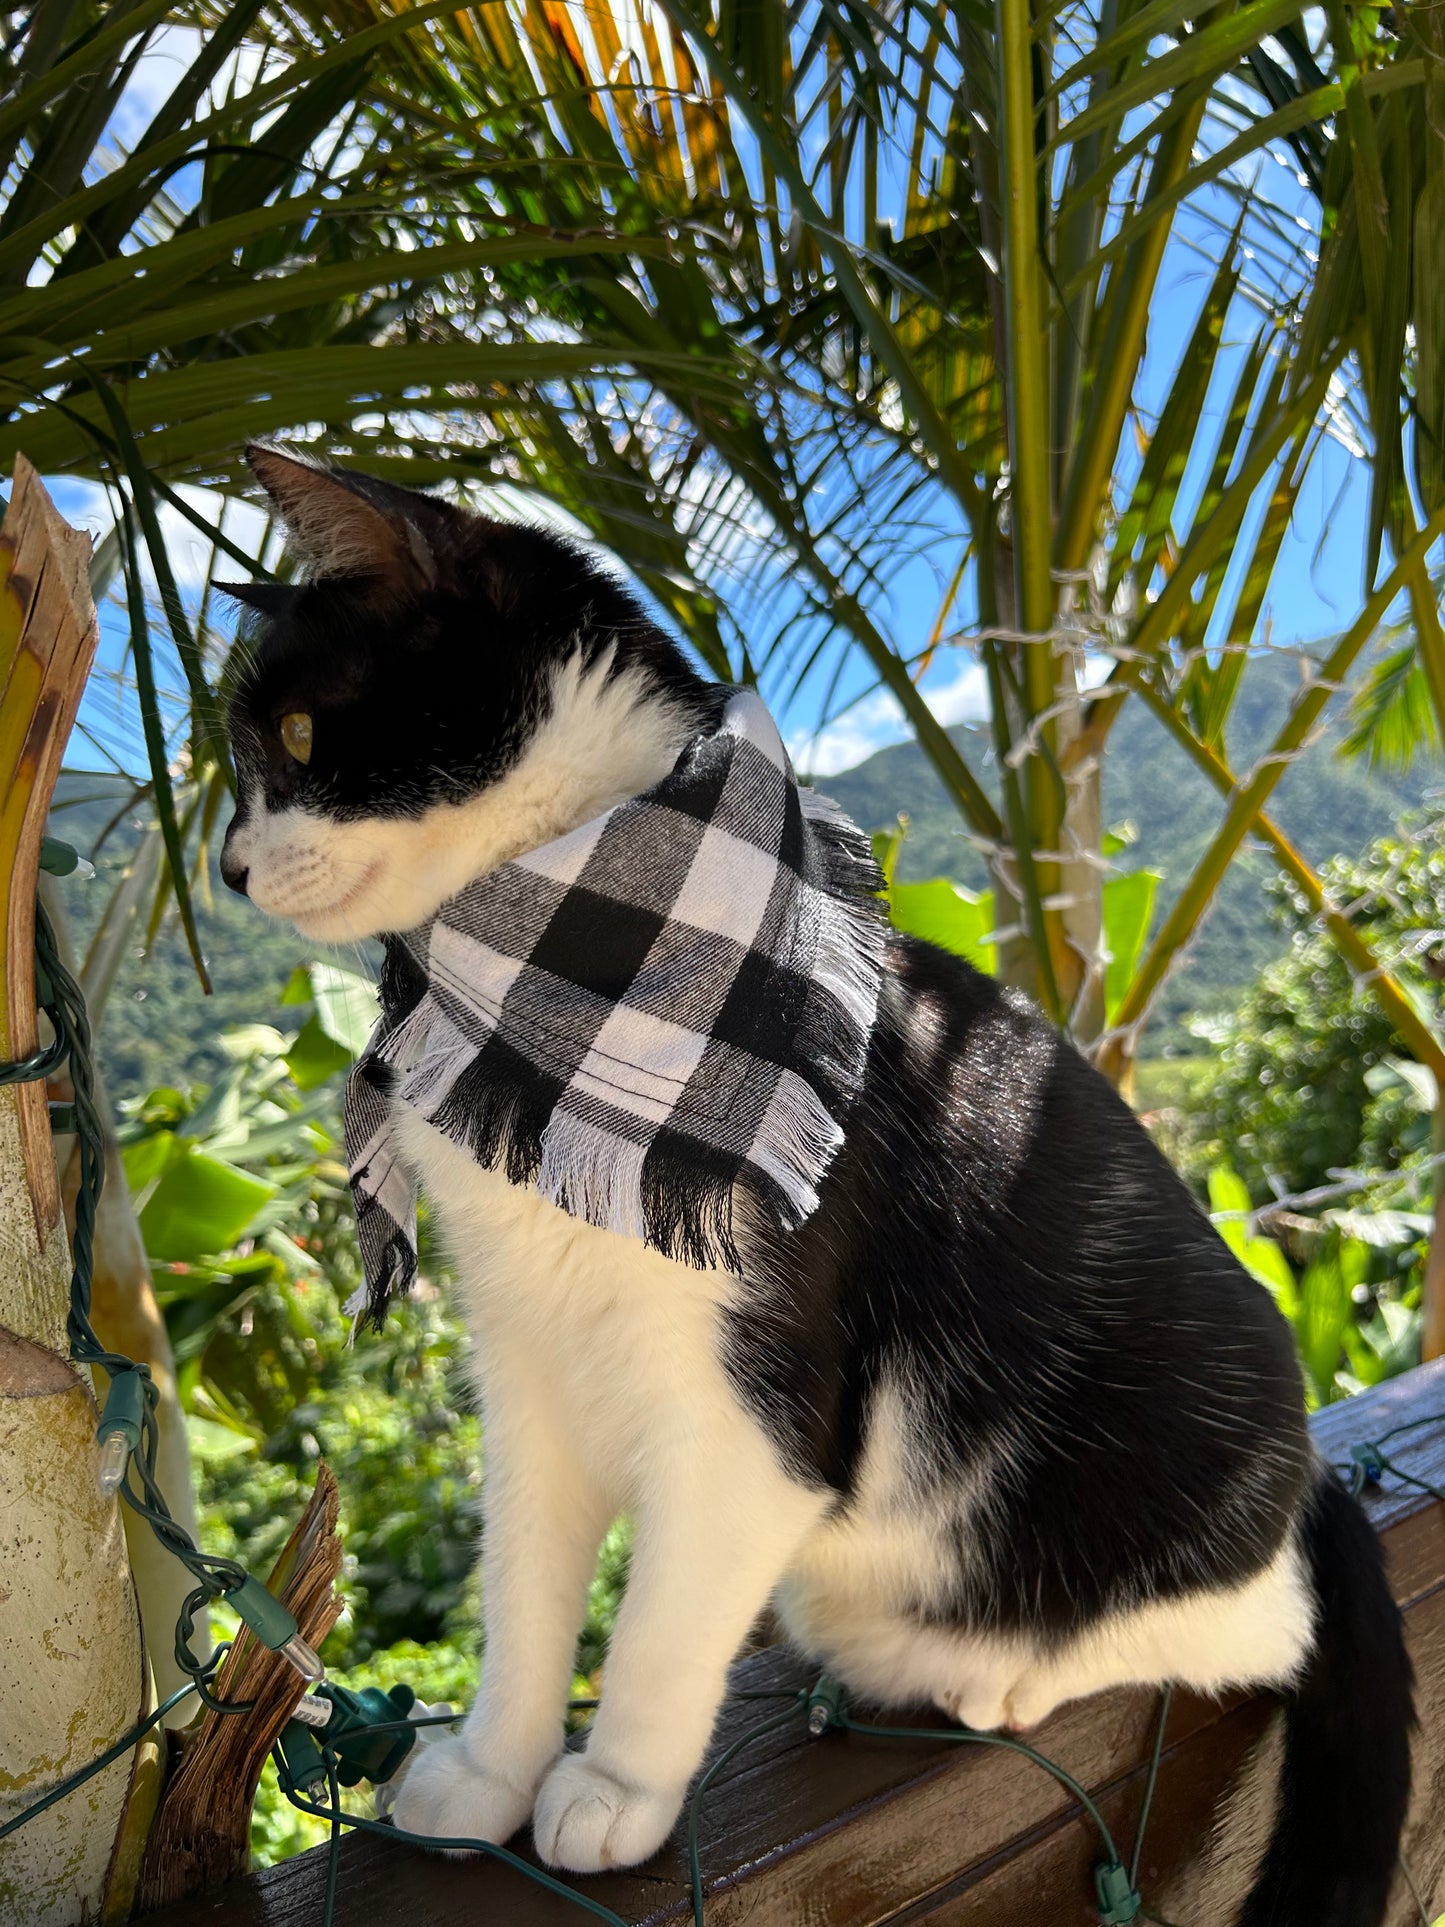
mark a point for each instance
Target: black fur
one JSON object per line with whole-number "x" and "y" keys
{"x": 429, "y": 700}
{"x": 1001, "y": 1227}
{"x": 999, "y": 1232}
{"x": 1347, "y": 1738}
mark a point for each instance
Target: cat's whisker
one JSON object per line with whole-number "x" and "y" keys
{"x": 993, "y": 1416}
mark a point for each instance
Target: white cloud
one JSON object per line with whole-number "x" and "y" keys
{"x": 877, "y": 721}
{"x": 964, "y": 699}
{"x": 869, "y": 725}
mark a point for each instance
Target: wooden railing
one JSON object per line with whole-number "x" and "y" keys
{"x": 848, "y": 1831}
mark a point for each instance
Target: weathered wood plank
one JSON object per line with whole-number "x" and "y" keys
{"x": 854, "y": 1831}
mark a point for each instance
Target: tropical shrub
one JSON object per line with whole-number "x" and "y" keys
{"x": 242, "y": 1200}
{"x": 1313, "y": 1129}
{"x": 1307, "y": 1077}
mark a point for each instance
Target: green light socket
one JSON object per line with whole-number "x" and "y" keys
{"x": 262, "y": 1611}
{"x": 125, "y": 1405}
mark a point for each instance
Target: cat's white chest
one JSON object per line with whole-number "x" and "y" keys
{"x": 626, "y": 1340}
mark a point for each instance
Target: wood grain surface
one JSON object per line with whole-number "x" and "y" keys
{"x": 855, "y": 1831}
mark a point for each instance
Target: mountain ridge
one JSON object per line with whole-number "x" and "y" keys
{"x": 1327, "y": 804}
{"x": 159, "y": 1028}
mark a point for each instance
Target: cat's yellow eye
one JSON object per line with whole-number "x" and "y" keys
{"x": 296, "y": 735}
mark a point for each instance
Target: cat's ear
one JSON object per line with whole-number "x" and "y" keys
{"x": 266, "y": 598}
{"x": 345, "y": 524}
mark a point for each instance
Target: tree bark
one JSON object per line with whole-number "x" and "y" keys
{"x": 72, "y": 1666}
{"x": 1082, "y": 879}
{"x": 127, "y": 1319}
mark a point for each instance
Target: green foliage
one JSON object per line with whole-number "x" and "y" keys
{"x": 1355, "y": 1320}
{"x": 1230, "y": 1209}
{"x": 1310, "y": 1101}
{"x": 1128, "y": 906}
{"x": 190, "y": 1204}
{"x": 1325, "y": 806}
{"x": 338, "y": 1027}
{"x": 1304, "y": 1082}
{"x": 943, "y": 912}
{"x": 393, "y": 1419}
{"x": 1392, "y": 717}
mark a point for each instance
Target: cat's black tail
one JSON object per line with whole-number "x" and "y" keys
{"x": 1346, "y": 1777}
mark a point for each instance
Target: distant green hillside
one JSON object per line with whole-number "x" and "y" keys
{"x": 160, "y": 1029}
{"x": 1326, "y": 804}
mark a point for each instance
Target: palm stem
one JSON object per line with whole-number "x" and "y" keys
{"x": 1030, "y": 495}
{"x": 1361, "y": 956}
{"x": 1248, "y": 800}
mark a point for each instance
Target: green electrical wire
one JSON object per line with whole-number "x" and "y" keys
{"x": 822, "y": 1707}
{"x": 1166, "y": 1700}
{"x": 116, "y": 1751}
{"x": 1369, "y": 1460}
{"x": 797, "y": 1707}
{"x": 62, "y": 1001}
{"x": 337, "y": 1819}
{"x": 694, "y": 1810}
{"x": 964, "y": 1736}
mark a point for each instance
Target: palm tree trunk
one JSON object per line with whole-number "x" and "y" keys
{"x": 1081, "y": 880}
{"x": 72, "y": 1668}
{"x": 127, "y": 1319}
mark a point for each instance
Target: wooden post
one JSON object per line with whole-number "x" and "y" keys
{"x": 72, "y": 1666}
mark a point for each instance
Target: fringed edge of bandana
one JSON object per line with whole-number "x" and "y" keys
{"x": 389, "y": 1271}
{"x": 388, "y": 1258}
{"x": 669, "y": 1198}
{"x": 852, "y": 949}
{"x": 665, "y": 1194}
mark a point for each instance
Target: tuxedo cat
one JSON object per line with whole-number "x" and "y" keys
{"x": 1002, "y": 1423}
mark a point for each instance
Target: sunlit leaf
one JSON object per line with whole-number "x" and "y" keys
{"x": 942, "y": 913}
{"x": 199, "y": 1205}
{"x": 1128, "y": 905}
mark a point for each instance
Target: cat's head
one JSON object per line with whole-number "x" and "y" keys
{"x": 439, "y": 693}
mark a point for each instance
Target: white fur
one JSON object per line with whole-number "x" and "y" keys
{"x": 599, "y": 1366}
{"x": 604, "y": 739}
{"x": 854, "y": 1594}
{"x": 603, "y": 1390}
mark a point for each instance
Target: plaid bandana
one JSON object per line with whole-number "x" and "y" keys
{"x": 654, "y": 1020}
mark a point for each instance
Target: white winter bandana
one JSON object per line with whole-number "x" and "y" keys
{"x": 657, "y": 1017}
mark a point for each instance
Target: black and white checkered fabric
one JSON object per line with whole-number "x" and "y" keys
{"x": 659, "y": 1021}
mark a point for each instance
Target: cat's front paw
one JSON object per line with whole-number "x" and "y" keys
{"x": 448, "y": 1796}
{"x": 586, "y": 1821}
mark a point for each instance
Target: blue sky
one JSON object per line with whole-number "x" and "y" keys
{"x": 1316, "y": 587}
{"x": 1315, "y": 592}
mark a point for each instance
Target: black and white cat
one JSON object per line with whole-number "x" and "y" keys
{"x": 1001, "y": 1424}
